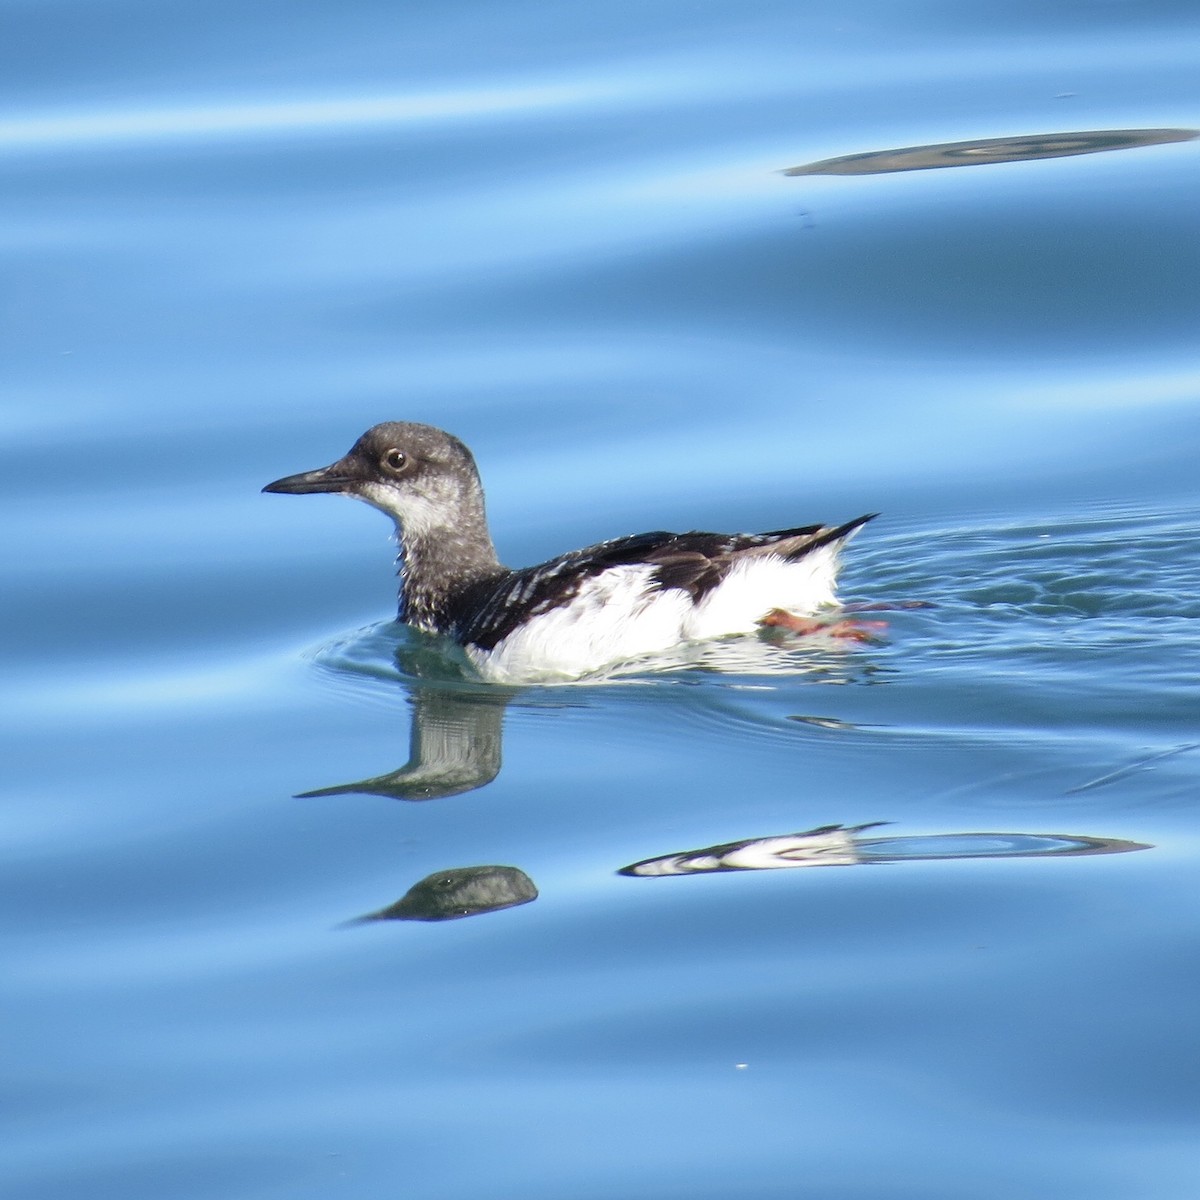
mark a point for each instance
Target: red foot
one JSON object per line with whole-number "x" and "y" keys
{"x": 857, "y": 631}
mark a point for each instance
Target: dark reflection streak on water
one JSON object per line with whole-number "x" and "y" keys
{"x": 839, "y": 846}
{"x": 991, "y": 150}
{"x": 830, "y": 723}
{"x": 1132, "y": 768}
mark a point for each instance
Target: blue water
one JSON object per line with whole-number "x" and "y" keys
{"x": 235, "y": 237}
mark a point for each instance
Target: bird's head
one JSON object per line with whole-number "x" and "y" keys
{"x": 423, "y": 478}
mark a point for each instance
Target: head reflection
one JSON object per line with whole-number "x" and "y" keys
{"x": 455, "y": 732}
{"x": 459, "y": 892}
{"x": 454, "y": 747}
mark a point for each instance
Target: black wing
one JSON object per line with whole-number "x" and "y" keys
{"x": 697, "y": 562}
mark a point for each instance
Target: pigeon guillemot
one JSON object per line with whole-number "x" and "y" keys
{"x": 580, "y": 612}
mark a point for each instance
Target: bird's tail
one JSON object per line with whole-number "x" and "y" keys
{"x": 831, "y": 535}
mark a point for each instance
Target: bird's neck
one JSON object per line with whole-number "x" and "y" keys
{"x": 441, "y": 567}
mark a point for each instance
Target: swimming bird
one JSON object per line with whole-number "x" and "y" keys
{"x": 586, "y": 610}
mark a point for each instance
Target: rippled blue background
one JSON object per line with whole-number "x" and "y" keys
{"x": 234, "y": 236}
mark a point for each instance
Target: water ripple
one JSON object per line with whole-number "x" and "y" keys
{"x": 304, "y": 116}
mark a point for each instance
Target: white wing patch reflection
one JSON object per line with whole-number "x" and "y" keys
{"x": 842, "y": 846}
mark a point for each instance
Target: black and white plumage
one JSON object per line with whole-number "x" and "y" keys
{"x": 585, "y": 610}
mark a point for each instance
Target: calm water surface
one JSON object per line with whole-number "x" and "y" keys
{"x": 235, "y": 238}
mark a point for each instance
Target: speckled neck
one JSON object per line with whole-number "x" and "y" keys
{"x": 440, "y": 569}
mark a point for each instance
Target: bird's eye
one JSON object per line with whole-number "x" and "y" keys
{"x": 396, "y": 460}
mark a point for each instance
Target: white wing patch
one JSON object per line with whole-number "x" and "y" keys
{"x": 758, "y": 584}
{"x": 619, "y": 615}
{"x": 615, "y": 615}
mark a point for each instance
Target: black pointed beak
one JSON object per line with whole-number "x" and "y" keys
{"x": 334, "y": 478}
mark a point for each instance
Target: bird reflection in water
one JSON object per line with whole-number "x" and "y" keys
{"x": 454, "y": 733}
{"x": 457, "y": 722}
{"x": 843, "y": 846}
{"x": 459, "y": 892}
{"x": 454, "y": 747}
